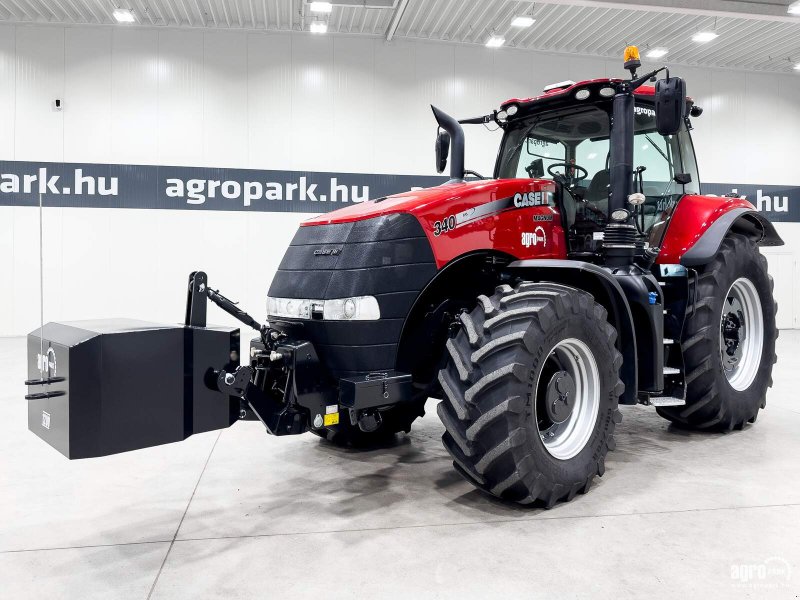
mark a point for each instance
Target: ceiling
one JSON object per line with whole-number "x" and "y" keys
{"x": 755, "y": 35}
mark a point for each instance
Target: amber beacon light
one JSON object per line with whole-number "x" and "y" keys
{"x": 632, "y": 61}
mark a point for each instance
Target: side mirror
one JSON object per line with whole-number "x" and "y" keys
{"x": 682, "y": 178}
{"x": 535, "y": 169}
{"x": 442, "y": 150}
{"x": 670, "y": 105}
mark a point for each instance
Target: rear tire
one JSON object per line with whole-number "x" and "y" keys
{"x": 728, "y": 341}
{"x": 510, "y": 355}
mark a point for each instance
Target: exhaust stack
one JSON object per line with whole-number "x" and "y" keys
{"x": 621, "y": 160}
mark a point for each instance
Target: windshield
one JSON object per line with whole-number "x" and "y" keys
{"x": 533, "y": 148}
{"x": 575, "y": 141}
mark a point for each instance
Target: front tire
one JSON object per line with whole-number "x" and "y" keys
{"x": 728, "y": 341}
{"x": 531, "y": 388}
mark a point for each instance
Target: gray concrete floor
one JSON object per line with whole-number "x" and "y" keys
{"x": 239, "y": 514}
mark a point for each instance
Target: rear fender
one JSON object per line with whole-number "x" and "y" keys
{"x": 607, "y": 292}
{"x": 700, "y": 223}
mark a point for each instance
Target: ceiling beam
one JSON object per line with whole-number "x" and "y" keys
{"x": 202, "y": 12}
{"x": 104, "y": 9}
{"x": 396, "y": 18}
{"x": 710, "y": 8}
{"x": 14, "y": 13}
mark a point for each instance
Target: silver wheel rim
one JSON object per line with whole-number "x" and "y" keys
{"x": 566, "y": 439}
{"x": 741, "y": 337}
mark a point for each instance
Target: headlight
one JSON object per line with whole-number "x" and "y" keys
{"x": 360, "y": 308}
{"x": 293, "y": 308}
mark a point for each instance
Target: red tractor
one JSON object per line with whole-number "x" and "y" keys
{"x": 587, "y": 272}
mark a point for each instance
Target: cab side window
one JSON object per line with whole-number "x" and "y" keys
{"x": 689, "y": 162}
{"x": 592, "y": 155}
{"x": 654, "y": 152}
{"x": 656, "y": 161}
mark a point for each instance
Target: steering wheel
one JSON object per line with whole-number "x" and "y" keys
{"x": 567, "y": 167}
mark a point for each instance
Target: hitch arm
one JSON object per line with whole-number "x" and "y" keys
{"x": 230, "y": 307}
{"x": 196, "y": 308}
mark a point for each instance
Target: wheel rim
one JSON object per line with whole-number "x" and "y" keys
{"x": 572, "y": 361}
{"x": 741, "y": 337}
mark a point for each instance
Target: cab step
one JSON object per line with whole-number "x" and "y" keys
{"x": 666, "y": 401}
{"x": 671, "y": 371}
{"x": 668, "y": 341}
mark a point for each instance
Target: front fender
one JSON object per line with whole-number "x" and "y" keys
{"x": 700, "y": 223}
{"x": 607, "y": 291}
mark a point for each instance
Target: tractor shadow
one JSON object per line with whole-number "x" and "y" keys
{"x": 408, "y": 481}
{"x": 643, "y": 433}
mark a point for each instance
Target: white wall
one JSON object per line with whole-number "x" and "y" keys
{"x": 285, "y": 101}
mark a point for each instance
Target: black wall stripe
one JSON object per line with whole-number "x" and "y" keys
{"x": 96, "y": 185}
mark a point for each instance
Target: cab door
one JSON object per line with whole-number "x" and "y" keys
{"x": 665, "y": 170}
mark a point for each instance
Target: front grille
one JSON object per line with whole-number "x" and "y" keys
{"x": 388, "y": 257}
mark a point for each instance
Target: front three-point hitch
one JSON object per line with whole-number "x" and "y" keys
{"x": 284, "y": 384}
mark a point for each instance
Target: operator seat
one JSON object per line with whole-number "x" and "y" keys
{"x": 597, "y": 192}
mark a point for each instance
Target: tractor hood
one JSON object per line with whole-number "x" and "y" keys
{"x": 398, "y": 203}
{"x": 463, "y": 217}
{"x": 422, "y": 201}
{"x": 391, "y": 248}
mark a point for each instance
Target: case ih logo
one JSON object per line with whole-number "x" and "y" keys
{"x": 327, "y": 251}
{"x": 535, "y": 238}
{"x": 525, "y": 199}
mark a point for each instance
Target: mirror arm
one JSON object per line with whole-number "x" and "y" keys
{"x": 637, "y": 82}
{"x": 478, "y": 120}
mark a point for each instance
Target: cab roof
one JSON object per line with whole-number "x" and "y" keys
{"x": 568, "y": 88}
{"x": 562, "y": 95}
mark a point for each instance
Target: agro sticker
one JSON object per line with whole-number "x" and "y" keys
{"x": 534, "y": 238}
{"x": 331, "y": 419}
{"x": 331, "y": 408}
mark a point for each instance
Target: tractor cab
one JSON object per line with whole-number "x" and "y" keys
{"x": 564, "y": 136}
{"x": 618, "y": 151}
